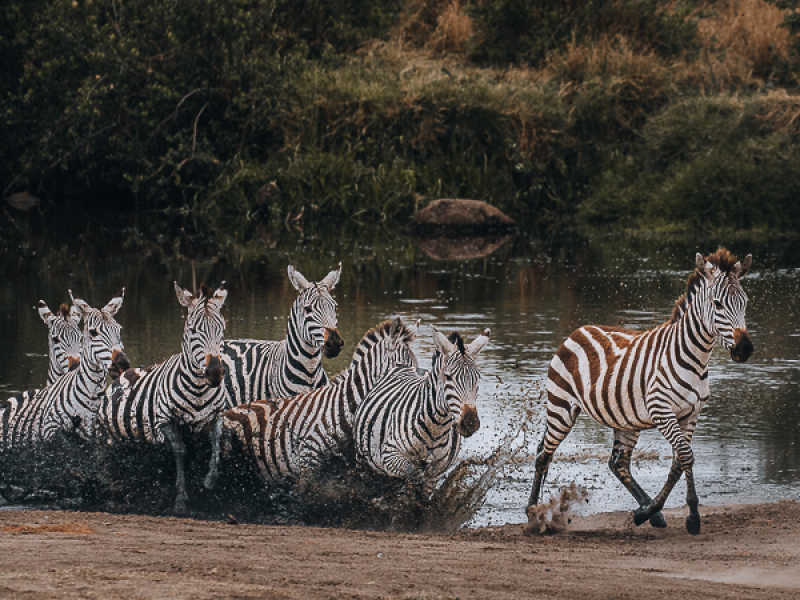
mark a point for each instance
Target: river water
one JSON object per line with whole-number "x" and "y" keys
{"x": 531, "y": 293}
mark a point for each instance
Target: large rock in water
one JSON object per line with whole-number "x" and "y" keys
{"x": 455, "y": 216}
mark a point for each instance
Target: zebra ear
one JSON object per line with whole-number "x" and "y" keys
{"x": 299, "y": 282}
{"x": 185, "y": 297}
{"x": 479, "y": 342}
{"x": 396, "y": 328}
{"x": 80, "y": 304}
{"x": 705, "y": 267}
{"x": 742, "y": 268}
{"x": 44, "y": 312}
{"x": 114, "y": 304}
{"x": 441, "y": 343}
{"x": 332, "y": 278}
{"x": 220, "y": 295}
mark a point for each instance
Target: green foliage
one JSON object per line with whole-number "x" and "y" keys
{"x": 703, "y": 164}
{"x": 527, "y": 31}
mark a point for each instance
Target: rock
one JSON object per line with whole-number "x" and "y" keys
{"x": 23, "y": 201}
{"x": 455, "y": 216}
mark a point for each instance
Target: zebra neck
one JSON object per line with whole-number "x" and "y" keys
{"x": 301, "y": 359}
{"x": 693, "y": 334}
{"x": 90, "y": 377}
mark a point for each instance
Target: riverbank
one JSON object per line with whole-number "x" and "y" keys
{"x": 746, "y": 551}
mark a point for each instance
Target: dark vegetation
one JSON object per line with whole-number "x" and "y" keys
{"x": 169, "y": 115}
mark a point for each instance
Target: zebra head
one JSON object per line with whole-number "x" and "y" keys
{"x": 203, "y": 331}
{"x": 102, "y": 344}
{"x": 64, "y": 338}
{"x": 726, "y": 301}
{"x": 457, "y": 377}
{"x": 313, "y": 315}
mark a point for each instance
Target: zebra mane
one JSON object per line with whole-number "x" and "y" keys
{"x": 723, "y": 260}
{"x": 204, "y": 292}
{"x": 384, "y": 330}
{"x": 455, "y": 338}
{"x": 63, "y": 311}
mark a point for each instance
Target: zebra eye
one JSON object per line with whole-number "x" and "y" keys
{"x": 309, "y": 309}
{"x": 448, "y": 376}
{"x": 717, "y": 303}
{"x": 55, "y": 339}
{"x": 93, "y": 332}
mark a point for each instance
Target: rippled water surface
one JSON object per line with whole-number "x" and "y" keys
{"x": 530, "y": 293}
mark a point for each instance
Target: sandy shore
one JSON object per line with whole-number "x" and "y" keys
{"x": 749, "y": 551}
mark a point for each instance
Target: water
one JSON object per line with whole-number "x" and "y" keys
{"x": 531, "y": 294}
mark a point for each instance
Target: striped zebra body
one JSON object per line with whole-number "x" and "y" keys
{"x": 71, "y": 402}
{"x": 152, "y": 405}
{"x": 291, "y": 436}
{"x": 411, "y": 425}
{"x": 257, "y": 369}
{"x": 632, "y": 380}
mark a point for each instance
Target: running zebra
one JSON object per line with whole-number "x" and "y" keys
{"x": 292, "y": 436}
{"x": 184, "y": 390}
{"x": 71, "y": 402}
{"x": 411, "y": 425}
{"x": 64, "y": 338}
{"x": 636, "y": 380}
{"x": 257, "y": 370}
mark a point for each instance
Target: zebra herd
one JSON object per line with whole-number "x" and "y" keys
{"x": 275, "y": 399}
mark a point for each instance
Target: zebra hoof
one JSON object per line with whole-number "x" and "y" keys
{"x": 180, "y": 506}
{"x": 210, "y": 482}
{"x": 640, "y": 516}
{"x": 693, "y": 524}
{"x": 658, "y": 521}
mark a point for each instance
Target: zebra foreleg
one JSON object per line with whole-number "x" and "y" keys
{"x": 620, "y": 465}
{"x": 683, "y": 461}
{"x": 210, "y": 481}
{"x": 173, "y": 435}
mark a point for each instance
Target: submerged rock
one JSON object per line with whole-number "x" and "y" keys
{"x": 461, "y": 217}
{"x": 460, "y": 248}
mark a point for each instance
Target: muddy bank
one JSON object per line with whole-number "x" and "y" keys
{"x": 743, "y": 552}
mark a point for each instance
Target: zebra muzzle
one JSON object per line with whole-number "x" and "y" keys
{"x": 333, "y": 343}
{"x": 743, "y": 347}
{"x": 73, "y": 362}
{"x": 469, "y": 422}
{"x": 214, "y": 371}
{"x": 119, "y": 364}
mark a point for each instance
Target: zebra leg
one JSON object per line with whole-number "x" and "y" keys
{"x": 688, "y": 426}
{"x": 561, "y": 416}
{"x": 210, "y": 481}
{"x": 172, "y": 434}
{"x": 620, "y": 465}
{"x": 683, "y": 461}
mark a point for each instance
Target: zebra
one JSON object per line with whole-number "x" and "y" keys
{"x": 293, "y": 436}
{"x": 410, "y": 425}
{"x": 151, "y": 405}
{"x": 64, "y": 337}
{"x": 635, "y": 380}
{"x": 257, "y": 370}
{"x": 72, "y": 401}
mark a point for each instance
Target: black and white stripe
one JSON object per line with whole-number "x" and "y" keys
{"x": 288, "y": 437}
{"x": 64, "y": 339}
{"x": 410, "y": 425}
{"x": 257, "y": 369}
{"x": 636, "y": 380}
{"x": 72, "y": 401}
{"x": 152, "y": 405}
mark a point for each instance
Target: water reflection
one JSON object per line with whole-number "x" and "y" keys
{"x": 532, "y": 294}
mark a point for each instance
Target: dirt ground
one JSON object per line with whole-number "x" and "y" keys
{"x": 742, "y": 552}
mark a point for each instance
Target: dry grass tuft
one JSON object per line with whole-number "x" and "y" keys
{"x": 552, "y": 516}
{"x": 453, "y": 30}
{"x": 439, "y": 26}
{"x": 749, "y": 32}
{"x": 54, "y": 528}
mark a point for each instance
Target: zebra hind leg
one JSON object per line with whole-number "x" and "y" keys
{"x": 620, "y": 465}
{"x": 210, "y": 481}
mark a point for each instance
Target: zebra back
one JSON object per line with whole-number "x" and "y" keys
{"x": 410, "y": 425}
{"x": 64, "y": 338}
{"x": 258, "y": 369}
{"x": 72, "y": 401}
{"x": 289, "y": 436}
{"x": 185, "y": 388}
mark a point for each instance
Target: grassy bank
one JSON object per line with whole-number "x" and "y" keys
{"x": 658, "y": 115}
